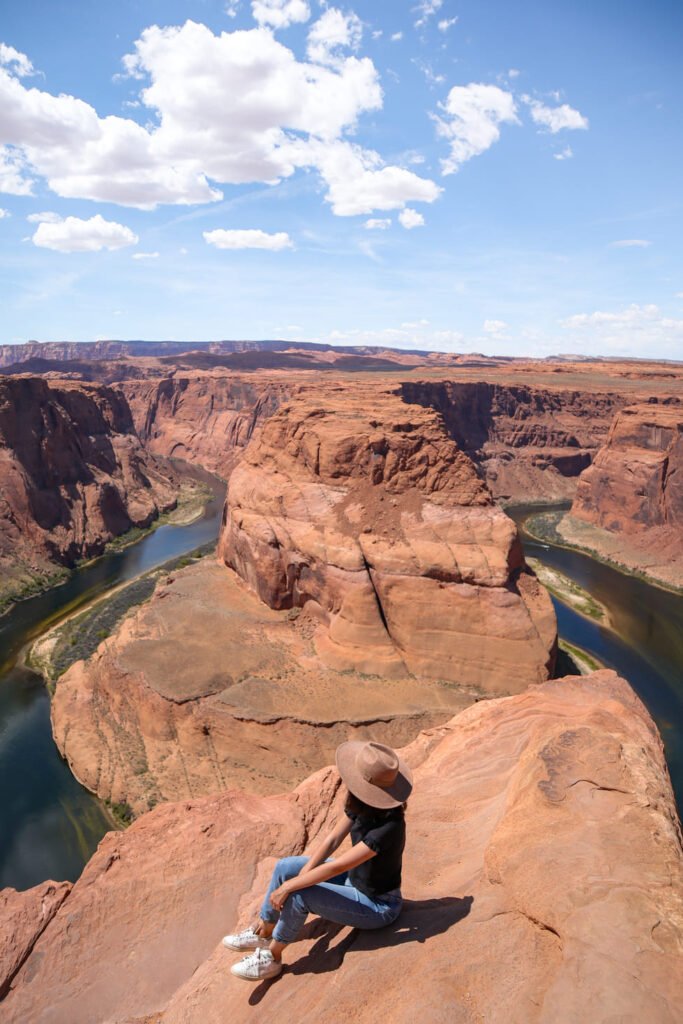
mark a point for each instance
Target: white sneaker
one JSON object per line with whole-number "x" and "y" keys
{"x": 259, "y": 965}
{"x": 248, "y": 939}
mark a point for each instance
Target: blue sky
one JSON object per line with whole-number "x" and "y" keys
{"x": 464, "y": 175}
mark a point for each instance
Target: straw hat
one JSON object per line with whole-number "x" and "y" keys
{"x": 374, "y": 773}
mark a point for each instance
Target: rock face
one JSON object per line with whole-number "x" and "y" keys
{"x": 74, "y": 475}
{"x": 542, "y": 876}
{"x": 361, "y": 508}
{"x": 633, "y": 493}
{"x": 24, "y": 917}
{"x": 531, "y": 443}
{"x": 205, "y": 688}
{"x": 204, "y": 418}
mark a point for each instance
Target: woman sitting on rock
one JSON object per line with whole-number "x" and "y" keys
{"x": 360, "y": 888}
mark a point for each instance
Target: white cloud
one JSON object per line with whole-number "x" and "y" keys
{"x": 471, "y": 118}
{"x": 47, "y": 217}
{"x": 13, "y": 177}
{"x": 635, "y": 330}
{"x": 333, "y": 32}
{"x": 495, "y": 328}
{"x": 377, "y": 224}
{"x": 359, "y": 183}
{"x": 145, "y": 256}
{"x": 4, "y": 213}
{"x": 280, "y": 13}
{"x": 411, "y": 218}
{"x": 564, "y": 154}
{"x": 229, "y": 109}
{"x": 555, "y": 119}
{"x": 446, "y": 23}
{"x": 397, "y": 37}
{"x": 679, "y": 295}
{"x": 513, "y": 73}
{"x": 75, "y": 235}
{"x": 232, "y": 7}
{"x": 631, "y": 243}
{"x": 19, "y": 62}
{"x": 248, "y": 239}
{"x": 425, "y": 9}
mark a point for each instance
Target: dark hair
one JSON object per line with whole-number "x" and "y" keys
{"x": 353, "y": 805}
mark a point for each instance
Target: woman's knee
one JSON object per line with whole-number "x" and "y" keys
{"x": 289, "y": 867}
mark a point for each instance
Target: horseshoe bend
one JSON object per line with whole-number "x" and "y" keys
{"x": 367, "y": 584}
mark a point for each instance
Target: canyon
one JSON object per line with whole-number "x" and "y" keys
{"x": 367, "y": 583}
{"x": 74, "y": 476}
{"x": 542, "y": 884}
{"x": 629, "y": 502}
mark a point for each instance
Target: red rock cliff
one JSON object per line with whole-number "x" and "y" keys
{"x": 353, "y": 503}
{"x": 74, "y": 475}
{"x": 204, "y": 418}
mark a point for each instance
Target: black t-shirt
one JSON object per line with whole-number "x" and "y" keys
{"x": 386, "y": 835}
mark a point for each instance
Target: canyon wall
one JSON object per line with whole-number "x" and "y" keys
{"x": 542, "y": 883}
{"x": 629, "y": 502}
{"x": 357, "y": 505}
{"x": 531, "y": 443}
{"x": 74, "y": 475}
{"x": 203, "y": 418}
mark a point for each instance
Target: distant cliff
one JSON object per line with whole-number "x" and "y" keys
{"x": 74, "y": 475}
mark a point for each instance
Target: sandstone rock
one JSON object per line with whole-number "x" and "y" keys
{"x": 634, "y": 491}
{"x": 358, "y": 505}
{"x": 542, "y": 877}
{"x": 24, "y": 916}
{"x": 205, "y": 688}
{"x": 74, "y": 475}
{"x": 205, "y": 418}
{"x": 530, "y": 442}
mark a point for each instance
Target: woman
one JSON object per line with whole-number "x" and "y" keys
{"x": 360, "y": 888}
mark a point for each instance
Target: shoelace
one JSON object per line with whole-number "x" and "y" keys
{"x": 248, "y": 933}
{"x": 254, "y": 959}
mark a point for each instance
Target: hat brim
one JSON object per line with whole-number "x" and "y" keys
{"x": 374, "y": 796}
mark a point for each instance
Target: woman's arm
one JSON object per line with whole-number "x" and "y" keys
{"x": 358, "y": 854}
{"x": 322, "y": 850}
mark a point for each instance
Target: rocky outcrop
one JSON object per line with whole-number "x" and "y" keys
{"x": 629, "y": 503}
{"x": 531, "y": 443}
{"x": 542, "y": 877}
{"x": 362, "y": 509}
{"x": 74, "y": 475}
{"x": 204, "y": 688}
{"x": 204, "y": 418}
{"x": 24, "y": 916}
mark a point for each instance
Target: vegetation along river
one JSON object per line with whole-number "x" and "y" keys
{"x": 49, "y": 824}
{"x": 645, "y": 643}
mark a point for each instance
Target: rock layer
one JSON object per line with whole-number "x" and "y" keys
{"x": 542, "y": 876}
{"x": 74, "y": 475}
{"x": 629, "y": 503}
{"x": 204, "y": 418}
{"x": 361, "y": 508}
{"x": 204, "y": 688}
{"x": 531, "y": 443}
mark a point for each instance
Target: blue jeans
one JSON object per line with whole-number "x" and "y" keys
{"x": 336, "y": 900}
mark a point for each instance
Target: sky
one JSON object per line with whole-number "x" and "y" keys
{"x": 460, "y": 175}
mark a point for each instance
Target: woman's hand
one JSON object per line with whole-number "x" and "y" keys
{"x": 278, "y": 897}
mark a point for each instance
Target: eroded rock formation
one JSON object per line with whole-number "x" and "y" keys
{"x": 530, "y": 442}
{"x": 204, "y": 418}
{"x": 358, "y": 506}
{"x": 205, "y": 688}
{"x": 629, "y": 502}
{"x": 74, "y": 475}
{"x": 542, "y": 876}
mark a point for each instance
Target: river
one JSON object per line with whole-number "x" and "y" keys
{"x": 645, "y": 645}
{"x": 49, "y": 824}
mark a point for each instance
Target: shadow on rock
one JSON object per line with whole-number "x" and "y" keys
{"x": 419, "y": 920}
